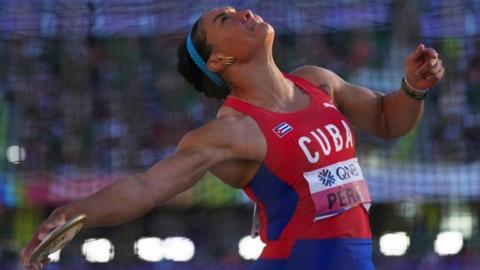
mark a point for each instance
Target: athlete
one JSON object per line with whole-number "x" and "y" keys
{"x": 285, "y": 139}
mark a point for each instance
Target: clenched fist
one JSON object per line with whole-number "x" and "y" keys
{"x": 423, "y": 68}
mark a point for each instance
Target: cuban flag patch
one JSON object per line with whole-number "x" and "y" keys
{"x": 282, "y": 129}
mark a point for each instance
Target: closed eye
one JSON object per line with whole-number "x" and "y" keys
{"x": 224, "y": 18}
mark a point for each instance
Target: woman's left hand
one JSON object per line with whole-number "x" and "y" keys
{"x": 423, "y": 68}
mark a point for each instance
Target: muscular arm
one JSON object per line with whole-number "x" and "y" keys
{"x": 387, "y": 116}
{"x": 135, "y": 195}
{"x": 132, "y": 196}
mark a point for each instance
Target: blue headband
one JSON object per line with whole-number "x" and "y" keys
{"x": 201, "y": 63}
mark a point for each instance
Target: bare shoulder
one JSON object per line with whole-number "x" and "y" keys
{"x": 216, "y": 130}
{"x": 322, "y": 77}
{"x": 313, "y": 73}
{"x": 232, "y": 130}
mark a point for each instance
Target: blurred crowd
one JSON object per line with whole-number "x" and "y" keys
{"x": 97, "y": 104}
{"x": 112, "y": 104}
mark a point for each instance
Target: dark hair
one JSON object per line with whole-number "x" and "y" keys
{"x": 192, "y": 73}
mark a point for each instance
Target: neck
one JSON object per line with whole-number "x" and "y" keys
{"x": 260, "y": 82}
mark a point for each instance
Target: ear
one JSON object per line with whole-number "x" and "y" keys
{"x": 218, "y": 62}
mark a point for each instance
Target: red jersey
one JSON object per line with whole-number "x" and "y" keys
{"x": 310, "y": 185}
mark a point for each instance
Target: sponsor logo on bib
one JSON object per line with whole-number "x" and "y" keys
{"x": 337, "y": 188}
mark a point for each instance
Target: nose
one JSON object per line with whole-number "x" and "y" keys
{"x": 247, "y": 14}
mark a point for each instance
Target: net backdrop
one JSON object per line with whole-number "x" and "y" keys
{"x": 89, "y": 91}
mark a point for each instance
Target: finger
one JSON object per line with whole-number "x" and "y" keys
{"x": 432, "y": 78}
{"x": 437, "y": 76}
{"x": 40, "y": 265}
{"x": 42, "y": 234}
{"x": 24, "y": 261}
{"x": 35, "y": 266}
{"x": 426, "y": 67}
{"x": 25, "y": 253}
{"x": 430, "y": 53}
{"x": 418, "y": 53}
{"x": 47, "y": 227}
{"x": 53, "y": 223}
{"x": 434, "y": 70}
{"x": 45, "y": 261}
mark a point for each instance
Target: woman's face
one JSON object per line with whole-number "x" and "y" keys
{"x": 240, "y": 34}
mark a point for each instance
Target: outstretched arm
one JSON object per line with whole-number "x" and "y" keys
{"x": 133, "y": 196}
{"x": 387, "y": 116}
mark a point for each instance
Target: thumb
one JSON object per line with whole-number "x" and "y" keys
{"x": 48, "y": 227}
{"x": 42, "y": 234}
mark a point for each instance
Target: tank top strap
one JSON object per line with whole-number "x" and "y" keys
{"x": 245, "y": 107}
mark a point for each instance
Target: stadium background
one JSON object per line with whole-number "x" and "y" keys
{"x": 89, "y": 91}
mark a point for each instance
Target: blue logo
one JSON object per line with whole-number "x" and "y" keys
{"x": 326, "y": 177}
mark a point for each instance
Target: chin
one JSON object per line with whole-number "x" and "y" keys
{"x": 267, "y": 27}
{"x": 266, "y": 30}
{"x": 269, "y": 33}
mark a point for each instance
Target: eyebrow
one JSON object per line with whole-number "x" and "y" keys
{"x": 218, "y": 16}
{"x": 222, "y": 14}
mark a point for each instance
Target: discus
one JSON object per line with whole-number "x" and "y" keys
{"x": 57, "y": 239}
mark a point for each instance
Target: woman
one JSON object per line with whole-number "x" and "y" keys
{"x": 286, "y": 139}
